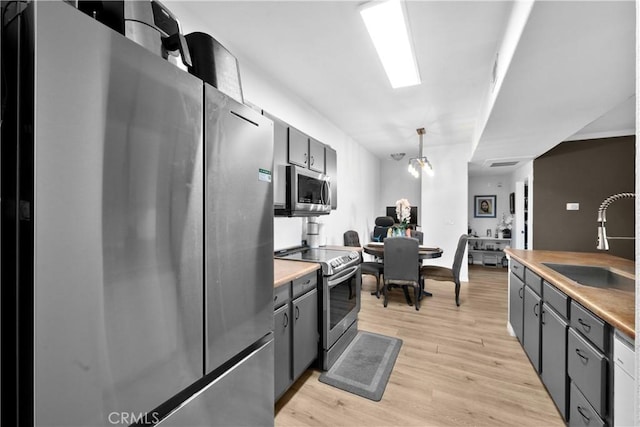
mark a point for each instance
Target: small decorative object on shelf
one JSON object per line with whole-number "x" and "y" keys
{"x": 504, "y": 226}
{"x": 403, "y": 213}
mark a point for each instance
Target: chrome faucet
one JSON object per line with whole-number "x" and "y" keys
{"x": 603, "y": 240}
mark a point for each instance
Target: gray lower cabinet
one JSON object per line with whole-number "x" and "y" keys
{"x": 582, "y": 414}
{"x": 516, "y": 295}
{"x": 568, "y": 345}
{"x": 282, "y": 352}
{"x": 295, "y": 330}
{"x": 587, "y": 367}
{"x": 531, "y": 326}
{"x": 305, "y": 331}
{"x": 554, "y": 357}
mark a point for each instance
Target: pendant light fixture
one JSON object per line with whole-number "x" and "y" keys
{"x": 420, "y": 163}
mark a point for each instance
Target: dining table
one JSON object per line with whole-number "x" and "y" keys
{"x": 424, "y": 252}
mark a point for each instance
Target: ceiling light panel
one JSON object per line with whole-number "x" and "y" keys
{"x": 388, "y": 29}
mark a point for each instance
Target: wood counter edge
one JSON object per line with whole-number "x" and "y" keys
{"x": 597, "y": 300}
{"x": 285, "y": 271}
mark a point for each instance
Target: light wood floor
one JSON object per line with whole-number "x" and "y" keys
{"x": 458, "y": 366}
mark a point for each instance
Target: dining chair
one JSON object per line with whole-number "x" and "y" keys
{"x": 401, "y": 267}
{"x": 381, "y": 228}
{"x": 373, "y": 268}
{"x": 417, "y": 235}
{"x": 445, "y": 274}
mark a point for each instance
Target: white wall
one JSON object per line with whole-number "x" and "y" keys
{"x": 444, "y": 202}
{"x": 397, "y": 183}
{"x": 524, "y": 174}
{"x": 490, "y": 185}
{"x": 358, "y": 170}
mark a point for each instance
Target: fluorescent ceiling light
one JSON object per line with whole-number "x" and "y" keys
{"x": 388, "y": 29}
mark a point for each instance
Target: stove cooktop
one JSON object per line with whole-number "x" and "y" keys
{"x": 331, "y": 260}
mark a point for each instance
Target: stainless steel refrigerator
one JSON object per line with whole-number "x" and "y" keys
{"x": 137, "y": 235}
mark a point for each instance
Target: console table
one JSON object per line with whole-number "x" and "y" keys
{"x": 487, "y": 250}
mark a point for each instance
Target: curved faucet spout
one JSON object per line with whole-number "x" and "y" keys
{"x": 603, "y": 240}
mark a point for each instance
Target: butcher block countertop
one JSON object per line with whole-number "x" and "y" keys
{"x": 614, "y": 306}
{"x": 285, "y": 271}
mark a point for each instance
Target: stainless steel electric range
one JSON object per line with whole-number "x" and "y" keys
{"x": 339, "y": 297}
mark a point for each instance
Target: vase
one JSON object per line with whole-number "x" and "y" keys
{"x": 500, "y": 235}
{"x": 396, "y": 231}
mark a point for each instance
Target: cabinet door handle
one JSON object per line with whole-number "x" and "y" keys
{"x": 542, "y": 316}
{"x": 585, "y": 326}
{"x": 286, "y": 320}
{"x": 312, "y": 161}
{"x": 582, "y": 356}
{"x": 305, "y": 158}
{"x": 587, "y": 419}
{"x": 297, "y": 312}
{"x": 535, "y": 309}
{"x": 520, "y": 292}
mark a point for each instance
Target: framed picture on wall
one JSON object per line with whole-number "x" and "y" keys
{"x": 484, "y": 206}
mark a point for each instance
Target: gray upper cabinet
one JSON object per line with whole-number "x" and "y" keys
{"x": 293, "y": 147}
{"x": 298, "y": 148}
{"x": 305, "y": 151}
{"x": 331, "y": 169}
{"x": 316, "y": 155}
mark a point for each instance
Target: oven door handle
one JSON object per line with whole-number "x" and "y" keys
{"x": 344, "y": 276}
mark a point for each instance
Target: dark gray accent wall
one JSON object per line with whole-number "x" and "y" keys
{"x": 584, "y": 172}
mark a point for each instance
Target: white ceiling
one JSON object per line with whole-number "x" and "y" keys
{"x": 572, "y": 75}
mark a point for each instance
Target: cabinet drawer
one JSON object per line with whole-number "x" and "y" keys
{"x": 281, "y": 295}
{"x": 556, "y": 299}
{"x": 304, "y": 284}
{"x": 587, "y": 368}
{"x": 589, "y": 325}
{"x": 533, "y": 281}
{"x": 581, "y": 413}
{"x": 517, "y": 269}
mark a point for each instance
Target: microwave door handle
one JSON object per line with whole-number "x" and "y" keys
{"x": 347, "y": 274}
{"x": 326, "y": 200}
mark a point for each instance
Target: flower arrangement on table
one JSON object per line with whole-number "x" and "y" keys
{"x": 505, "y": 225}
{"x": 403, "y": 213}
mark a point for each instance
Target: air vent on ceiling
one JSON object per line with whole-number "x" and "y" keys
{"x": 503, "y": 164}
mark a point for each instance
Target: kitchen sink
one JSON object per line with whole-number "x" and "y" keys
{"x": 597, "y": 277}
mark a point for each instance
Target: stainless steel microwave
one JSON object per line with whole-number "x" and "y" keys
{"x": 308, "y": 193}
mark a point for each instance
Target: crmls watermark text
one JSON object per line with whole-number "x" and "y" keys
{"x": 126, "y": 418}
